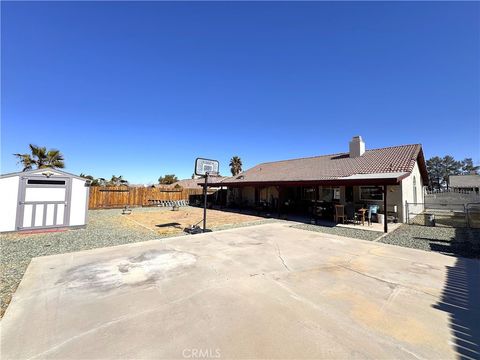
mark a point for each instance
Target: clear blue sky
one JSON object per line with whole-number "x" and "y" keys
{"x": 142, "y": 89}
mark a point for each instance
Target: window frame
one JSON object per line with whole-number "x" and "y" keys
{"x": 370, "y": 187}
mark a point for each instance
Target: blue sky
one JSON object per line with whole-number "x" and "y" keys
{"x": 142, "y": 89}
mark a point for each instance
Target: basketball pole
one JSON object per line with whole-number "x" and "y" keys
{"x": 205, "y": 202}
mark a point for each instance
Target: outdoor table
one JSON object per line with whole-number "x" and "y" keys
{"x": 362, "y": 212}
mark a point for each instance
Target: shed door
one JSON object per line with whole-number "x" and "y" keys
{"x": 43, "y": 202}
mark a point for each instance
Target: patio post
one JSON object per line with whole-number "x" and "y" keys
{"x": 279, "y": 189}
{"x": 385, "y": 226}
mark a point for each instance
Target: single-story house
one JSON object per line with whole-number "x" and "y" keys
{"x": 470, "y": 182}
{"x": 389, "y": 177}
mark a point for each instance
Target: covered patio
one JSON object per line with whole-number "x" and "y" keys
{"x": 363, "y": 201}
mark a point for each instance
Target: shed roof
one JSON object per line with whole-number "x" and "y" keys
{"x": 389, "y": 164}
{"x": 43, "y": 170}
{"x": 464, "y": 181}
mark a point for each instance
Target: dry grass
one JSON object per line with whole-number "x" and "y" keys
{"x": 171, "y": 222}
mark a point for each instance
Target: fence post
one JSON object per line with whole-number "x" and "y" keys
{"x": 407, "y": 215}
{"x": 467, "y": 219}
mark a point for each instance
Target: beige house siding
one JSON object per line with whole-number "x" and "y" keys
{"x": 394, "y": 197}
{"x": 408, "y": 191}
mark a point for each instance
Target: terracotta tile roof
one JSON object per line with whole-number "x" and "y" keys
{"x": 395, "y": 159}
{"x": 196, "y": 183}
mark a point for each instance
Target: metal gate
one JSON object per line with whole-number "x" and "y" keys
{"x": 445, "y": 214}
{"x": 43, "y": 202}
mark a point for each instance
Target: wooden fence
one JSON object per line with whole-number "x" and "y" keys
{"x": 116, "y": 197}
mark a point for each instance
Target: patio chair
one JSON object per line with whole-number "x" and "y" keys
{"x": 340, "y": 213}
{"x": 372, "y": 211}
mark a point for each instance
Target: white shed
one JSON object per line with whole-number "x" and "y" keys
{"x": 42, "y": 199}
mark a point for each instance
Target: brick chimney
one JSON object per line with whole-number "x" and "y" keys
{"x": 357, "y": 147}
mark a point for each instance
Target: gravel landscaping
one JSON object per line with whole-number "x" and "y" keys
{"x": 446, "y": 240}
{"x": 341, "y": 231}
{"x": 105, "y": 228}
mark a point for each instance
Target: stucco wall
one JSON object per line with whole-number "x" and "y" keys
{"x": 408, "y": 193}
{"x": 394, "y": 197}
{"x": 8, "y": 206}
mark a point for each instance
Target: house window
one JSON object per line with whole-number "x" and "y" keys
{"x": 329, "y": 194}
{"x": 414, "y": 189}
{"x": 371, "y": 193}
{"x": 336, "y": 193}
{"x": 308, "y": 193}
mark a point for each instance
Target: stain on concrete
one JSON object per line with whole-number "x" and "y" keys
{"x": 144, "y": 269}
{"x": 403, "y": 328}
{"x": 244, "y": 243}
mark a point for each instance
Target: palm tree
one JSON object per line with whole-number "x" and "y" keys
{"x": 54, "y": 159}
{"x": 93, "y": 181}
{"x": 26, "y": 160}
{"x": 235, "y": 165}
{"x": 117, "y": 181}
{"x": 41, "y": 158}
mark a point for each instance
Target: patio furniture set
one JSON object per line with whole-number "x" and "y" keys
{"x": 365, "y": 213}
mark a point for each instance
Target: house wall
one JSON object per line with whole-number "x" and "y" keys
{"x": 78, "y": 203}
{"x": 408, "y": 192}
{"x": 8, "y": 206}
{"x": 394, "y": 197}
{"x": 267, "y": 193}
{"x": 248, "y": 195}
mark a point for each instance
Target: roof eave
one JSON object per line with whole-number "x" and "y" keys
{"x": 329, "y": 182}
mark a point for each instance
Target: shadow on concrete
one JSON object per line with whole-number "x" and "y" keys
{"x": 461, "y": 300}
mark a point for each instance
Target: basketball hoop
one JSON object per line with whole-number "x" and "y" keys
{"x": 206, "y": 168}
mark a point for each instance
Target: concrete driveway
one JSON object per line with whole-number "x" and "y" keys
{"x": 267, "y": 291}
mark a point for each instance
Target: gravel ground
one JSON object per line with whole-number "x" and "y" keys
{"x": 341, "y": 231}
{"x": 105, "y": 228}
{"x": 446, "y": 240}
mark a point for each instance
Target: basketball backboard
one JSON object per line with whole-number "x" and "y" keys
{"x": 204, "y": 166}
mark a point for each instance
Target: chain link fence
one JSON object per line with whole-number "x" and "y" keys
{"x": 465, "y": 215}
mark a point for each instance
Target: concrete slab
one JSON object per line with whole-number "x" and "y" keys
{"x": 267, "y": 291}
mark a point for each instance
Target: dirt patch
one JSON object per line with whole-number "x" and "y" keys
{"x": 171, "y": 222}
